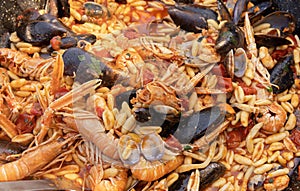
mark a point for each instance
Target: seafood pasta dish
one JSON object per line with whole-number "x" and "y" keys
{"x": 142, "y": 95}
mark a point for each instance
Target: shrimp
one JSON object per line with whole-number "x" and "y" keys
{"x": 25, "y": 66}
{"x": 33, "y": 160}
{"x": 279, "y": 183}
{"x": 150, "y": 171}
{"x": 67, "y": 99}
{"x": 116, "y": 183}
{"x": 273, "y": 116}
{"x": 105, "y": 142}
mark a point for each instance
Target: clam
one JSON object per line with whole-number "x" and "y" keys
{"x": 152, "y": 147}
{"x": 236, "y": 63}
{"x": 128, "y": 150}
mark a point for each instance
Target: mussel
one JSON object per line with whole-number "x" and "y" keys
{"x": 39, "y": 32}
{"x": 87, "y": 66}
{"x": 10, "y": 10}
{"x": 185, "y": 129}
{"x": 291, "y": 6}
{"x": 294, "y": 183}
{"x": 282, "y": 75}
{"x": 9, "y": 148}
{"x": 281, "y": 20}
{"x": 191, "y": 18}
{"x": 208, "y": 175}
{"x": 230, "y": 35}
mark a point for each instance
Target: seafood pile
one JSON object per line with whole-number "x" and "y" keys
{"x": 151, "y": 95}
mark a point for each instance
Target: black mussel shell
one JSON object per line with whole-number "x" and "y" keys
{"x": 270, "y": 41}
{"x": 294, "y": 183}
{"x": 196, "y": 125}
{"x": 282, "y": 74}
{"x": 191, "y": 18}
{"x": 281, "y": 20}
{"x": 230, "y": 37}
{"x": 150, "y": 117}
{"x": 63, "y": 8}
{"x": 264, "y": 8}
{"x": 238, "y": 9}
{"x": 224, "y": 13}
{"x": 87, "y": 66}
{"x": 39, "y": 32}
{"x": 208, "y": 175}
{"x": 291, "y": 6}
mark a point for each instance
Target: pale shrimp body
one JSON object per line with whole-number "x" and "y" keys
{"x": 274, "y": 117}
{"x": 32, "y": 161}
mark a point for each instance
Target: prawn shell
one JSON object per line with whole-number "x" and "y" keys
{"x": 31, "y": 162}
{"x": 150, "y": 171}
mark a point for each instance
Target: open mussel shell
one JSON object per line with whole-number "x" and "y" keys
{"x": 291, "y": 6}
{"x": 281, "y": 20}
{"x": 152, "y": 147}
{"x": 128, "y": 150}
{"x": 282, "y": 75}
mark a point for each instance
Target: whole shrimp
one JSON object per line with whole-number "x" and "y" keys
{"x": 33, "y": 160}
{"x": 273, "y": 116}
{"x": 23, "y": 65}
{"x": 150, "y": 171}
